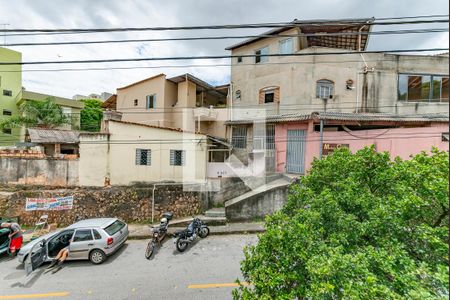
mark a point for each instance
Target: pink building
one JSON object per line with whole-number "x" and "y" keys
{"x": 298, "y": 137}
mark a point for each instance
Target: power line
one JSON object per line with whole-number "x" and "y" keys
{"x": 323, "y": 22}
{"x": 387, "y": 32}
{"x": 212, "y": 57}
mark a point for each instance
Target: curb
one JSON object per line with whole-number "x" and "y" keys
{"x": 170, "y": 234}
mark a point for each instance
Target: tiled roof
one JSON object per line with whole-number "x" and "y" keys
{"x": 53, "y": 136}
{"x": 154, "y": 126}
{"x": 361, "y": 117}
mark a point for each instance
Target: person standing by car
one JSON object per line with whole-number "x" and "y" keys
{"x": 16, "y": 237}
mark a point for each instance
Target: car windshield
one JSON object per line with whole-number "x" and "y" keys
{"x": 114, "y": 227}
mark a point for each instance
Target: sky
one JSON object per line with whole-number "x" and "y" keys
{"x": 143, "y": 13}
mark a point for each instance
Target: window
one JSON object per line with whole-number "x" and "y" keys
{"x": 82, "y": 235}
{"x": 177, "y": 157}
{"x": 7, "y": 93}
{"x": 114, "y": 227}
{"x": 97, "y": 235}
{"x": 7, "y": 130}
{"x": 239, "y": 59}
{"x": 150, "y": 101}
{"x": 238, "y": 95}
{"x": 264, "y": 137}
{"x": 422, "y": 88}
{"x": 260, "y": 55}
{"x": 239, "y": 137}
{"x": 286, "y": 46}
{"x": 324, "y": 89}
{"x": 269, "y": 95}
{"x": 143, "y": 157}
{"x": 135, "y": 102}
{"x": 7, "y": 112}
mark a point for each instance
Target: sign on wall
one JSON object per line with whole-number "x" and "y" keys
{"x": 61, "y": 203}
{"x": 328, "y": 147}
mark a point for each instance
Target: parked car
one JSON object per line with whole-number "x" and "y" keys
{"x": 93, "y": 239}
{"x": 4, "y": 240}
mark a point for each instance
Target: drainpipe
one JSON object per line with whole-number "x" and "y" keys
{"x": 321, "y": 138}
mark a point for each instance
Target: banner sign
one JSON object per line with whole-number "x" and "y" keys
{"x": 61, "y": 203}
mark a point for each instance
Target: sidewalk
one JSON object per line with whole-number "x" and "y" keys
{"x": 138, "y": 231}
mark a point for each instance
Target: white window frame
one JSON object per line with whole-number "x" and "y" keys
{"x": 149, "y": 104}
{"x": 139, "y": 153}
{"x": 172, "y": 157}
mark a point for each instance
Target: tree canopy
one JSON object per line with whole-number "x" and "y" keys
{"x": 91, "y": 115}
{"x": 45, "y": 114}
{"x": 358, "y": 226}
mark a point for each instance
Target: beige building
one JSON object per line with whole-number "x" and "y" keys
{"x": 125, "y": 153}
{"x": 353, "y": 83}
{"x": 184, "y": 102}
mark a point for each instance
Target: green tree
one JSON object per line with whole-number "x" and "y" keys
{"x": 45, "y": 114}
{"x": 91, "y": 115}
{"x": 358, "y": 226}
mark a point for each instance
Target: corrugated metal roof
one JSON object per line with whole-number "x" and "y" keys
{"x": 360, "y": 117}
{"x": 53, "y": 136}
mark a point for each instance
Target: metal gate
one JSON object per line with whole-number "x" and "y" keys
{"x": 295, "y": 155}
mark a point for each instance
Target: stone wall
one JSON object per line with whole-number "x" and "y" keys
{"x": 49, "y": 172}
{"x": 131, "y": 204}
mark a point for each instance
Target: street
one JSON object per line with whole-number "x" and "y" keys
{"x": 206, "y": 270}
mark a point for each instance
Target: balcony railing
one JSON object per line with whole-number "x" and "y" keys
{"x": 205, "y": 113}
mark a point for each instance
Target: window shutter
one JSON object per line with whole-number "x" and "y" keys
{"x": 276, "y": 95}
{"x": 138, "y": 156}
{"x": 262, "y": 94}
{"x": 172, "y": 157}
{"x": 183, "y": 157}
{"x": 149, "y": 157}
{"x": 154, "y": 101}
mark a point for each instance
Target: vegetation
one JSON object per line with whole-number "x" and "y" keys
{"x": 44, "y": 114}
{"x": 358, "y": 226}
{"x": 91, "y": 115}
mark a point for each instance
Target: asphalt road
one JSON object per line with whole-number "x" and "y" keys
{"x": 202, "y": 272}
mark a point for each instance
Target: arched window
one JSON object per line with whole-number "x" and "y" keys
{"x": 324, "y": 89}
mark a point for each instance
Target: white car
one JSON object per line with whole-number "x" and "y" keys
{"x": 93, "y": 239}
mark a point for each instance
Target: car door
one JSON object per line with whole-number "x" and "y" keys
{"x": 82, "y": 242}
{"x": 36, "y": 257}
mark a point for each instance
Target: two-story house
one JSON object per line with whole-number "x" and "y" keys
{"x": 184, "y": 102}
{"x": 320, "y": 77}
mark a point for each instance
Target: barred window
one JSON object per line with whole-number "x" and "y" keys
{"x": 324, "y": 89}
{"x": 143, "y": 157}
{"x": 239, "y": 137}
{"x": 177, "y": 157}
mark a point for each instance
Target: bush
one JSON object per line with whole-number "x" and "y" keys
{"x": 358, "y": 226}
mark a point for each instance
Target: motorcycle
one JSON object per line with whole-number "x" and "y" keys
{"x": 194, "y": 229}
{"x": 158, "y": 234}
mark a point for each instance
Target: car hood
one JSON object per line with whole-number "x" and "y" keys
{"x": 30, "y": 245}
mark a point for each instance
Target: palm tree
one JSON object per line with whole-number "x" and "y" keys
{"x": 44, "y": 114}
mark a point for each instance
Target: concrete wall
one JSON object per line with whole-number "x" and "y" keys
{"x": 120, "y": 154}
{"x": 258, "y": 206}
{"x": 296, "y": 76}
{"x": 48, "y": 172}
{"x": 401, "y": 142}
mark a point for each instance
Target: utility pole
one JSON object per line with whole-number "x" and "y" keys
{"x": 4, "y": 32}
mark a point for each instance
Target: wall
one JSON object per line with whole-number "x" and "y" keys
{"x": 258, "y": 206}
{"x": 121, "y": 155}
{"x": 126, "y": 96}
{"x": 297, "y": 76}
{"x": 49, "y": 172}
{"x": 10, "y": 81}
{"x": 132, "y": 204}
{"x": 401, "y": 142}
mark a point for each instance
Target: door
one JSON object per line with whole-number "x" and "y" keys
{"x": 295, "y": 155}
{"x": 82, "y": 243}
{"x": 36, "y": 257}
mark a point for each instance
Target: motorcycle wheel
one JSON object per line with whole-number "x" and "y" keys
{"x": 181, "y": 245}
{"x": 149, "y": 250}
{"x": 204, "y": 232}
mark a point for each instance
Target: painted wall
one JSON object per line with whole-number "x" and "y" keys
{"x": 120, "y": 154}
{"x": 401, "y": 142}
{"x": 49, "y": 172}
{"x": 10, "y": 81}
{"x": 297, "y": 76}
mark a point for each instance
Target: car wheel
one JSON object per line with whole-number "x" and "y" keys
{"x": 97, "y": 256}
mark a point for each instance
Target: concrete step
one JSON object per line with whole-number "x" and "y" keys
{"x": 215, "y": 212}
